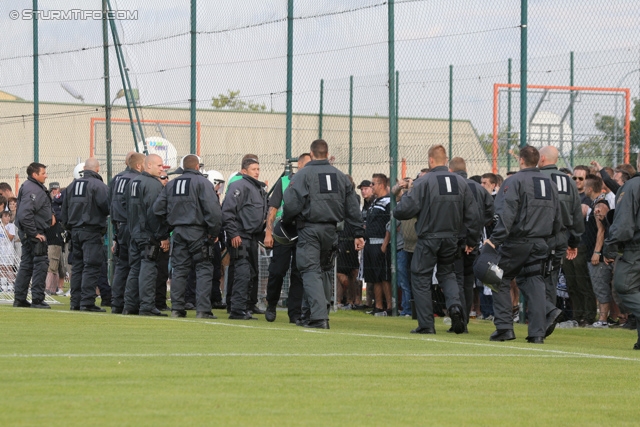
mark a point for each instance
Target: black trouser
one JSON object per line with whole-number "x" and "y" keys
{"x": 465, "y": 278}
{"x": 522, "y": 257}
{"x": 103, "y": 283}
{"x": 121, "y": 273}
{"x": 216, "y": 295}
{"x": 88, "y": 256}
{"x": 162, "y": 276}
{"x": 284, "y": 256}
{"x": 314, "y": 242}
{"x": 32, "y": 269}
{"x": 187, "y": 251}
{"x": 190, "y": 290}
{"x": 576, "y": 273}
{"x": 427, "y": 254}
{"x": 132, "y": 287}
{"x": 626, "y": 281}
{"x": 245, "y": 260}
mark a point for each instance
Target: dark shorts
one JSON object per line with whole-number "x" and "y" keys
{"x": 376, "y": 265}
{"x": 347, "y": 257}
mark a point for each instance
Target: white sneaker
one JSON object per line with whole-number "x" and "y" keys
{"x": 60, "y": 292}
{"x": 600, "y": 324}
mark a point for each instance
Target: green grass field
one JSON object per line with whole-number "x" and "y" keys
{"x": 60, "y": 368}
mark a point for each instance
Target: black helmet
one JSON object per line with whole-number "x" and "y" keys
{"x": 285, "y": 234}
{"x": 486, "y": 269}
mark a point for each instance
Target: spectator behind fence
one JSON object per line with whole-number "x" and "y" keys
{"x": 576, "y": 271}
{"x": 376, "y": 259}
{"x": 7, "y": 253}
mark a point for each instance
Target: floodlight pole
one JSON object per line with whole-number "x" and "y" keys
{"x": 107, "y": 89}
{"x": 107, "y": 116}
{"x": 523, "y": 72}
{"x": 126, "y": 83}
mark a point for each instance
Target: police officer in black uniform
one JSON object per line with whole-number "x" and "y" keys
{"x": 147, "y": 239}
{"x": 190, "y": 207}
{"x": 464, "y": 261}
{"x": 84, "y": 211}
{"x": 33, "y": 218}
{"x": 444, "y": 205}
{"x": 117, "y": 190}
{"x": 624, "y": 236}
{"x": 565, "y": 242}
{"x": 527, "y": 214}
{"x": 318, "y": 198}
{"x": 243, "y": 216}
{"x": 284, "y": 256}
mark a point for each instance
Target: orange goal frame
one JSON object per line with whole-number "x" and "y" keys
{"x": 627, "y": 113}
{"x": 94, "y": 120}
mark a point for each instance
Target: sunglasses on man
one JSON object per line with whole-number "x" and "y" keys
{"x": 577, "y": 178}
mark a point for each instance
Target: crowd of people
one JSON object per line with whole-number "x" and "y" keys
{"x": 548, "y": 231}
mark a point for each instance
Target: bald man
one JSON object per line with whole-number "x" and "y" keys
{"x": 147, "y": 239}
{"x": 566, "y": 242}
{"x": 84, "y": 210}
{"x": 117, "y": 190}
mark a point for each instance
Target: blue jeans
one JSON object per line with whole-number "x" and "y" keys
{"x": 486, "y": 303}
{"x": 403, "y": 259}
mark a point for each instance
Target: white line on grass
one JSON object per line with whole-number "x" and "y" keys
{"x": 395, "y": 337}
{"x": 138, "y": 355}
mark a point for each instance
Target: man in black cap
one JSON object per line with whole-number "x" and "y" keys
{"x": 366, "y": 190}
{"x": 55, "y": 242}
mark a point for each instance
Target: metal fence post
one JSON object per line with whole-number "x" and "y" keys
{"x": 450, "y": 111}
{"x": 523, "y": 72}
{"x": 36, "y": 88}
{"x": 351, "y": 125}
{"x": 289, "y": 78}
{"x": 508, "y": 120}
{"x": 192, "y": 101}
{"x": 571, "y": 108}
{"x": 393, "y": 151}
{"x": 321, "y": 106}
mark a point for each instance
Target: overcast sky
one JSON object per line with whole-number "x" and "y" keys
{"x": 242, "y": 46}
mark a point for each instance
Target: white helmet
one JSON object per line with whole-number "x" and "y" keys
{"x": 215, "y": 177}
{"x": 78, "y": 171}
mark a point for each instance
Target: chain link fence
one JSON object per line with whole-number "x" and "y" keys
{"x": 448, "y": 56}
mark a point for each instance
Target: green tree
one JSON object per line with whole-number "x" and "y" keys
{"x": 506, "y": 143}
{"x": 232, "y": 101}
{"x": 612, "y": 129}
